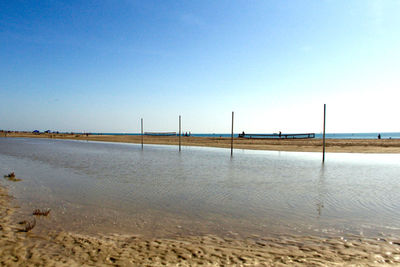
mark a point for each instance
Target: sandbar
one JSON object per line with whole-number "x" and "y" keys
{"x": 298, "y": 145}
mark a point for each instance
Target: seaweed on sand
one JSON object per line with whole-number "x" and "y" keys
{"x": 28, "y": 225}
{"x": 39, "y": 212}
{"x": 11, "y": 177}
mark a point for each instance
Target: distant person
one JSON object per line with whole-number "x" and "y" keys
{"x": 280, "y": 134}
{"x": 379, "y": 136}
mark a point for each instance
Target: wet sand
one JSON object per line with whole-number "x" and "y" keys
{"x": 299, "y": 145}
{"x": 60, "y": 248}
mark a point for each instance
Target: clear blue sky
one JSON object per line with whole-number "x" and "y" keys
{"x": 100, "y": 66}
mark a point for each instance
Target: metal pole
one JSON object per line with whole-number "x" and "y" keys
{"x": 323, "y": 137}
{"x": 179, "y": 132}
{"x": 232, "y": 136}
{"x": 141, "y": 120}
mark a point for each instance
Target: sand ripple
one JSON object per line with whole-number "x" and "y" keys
{"x": 72, "y": 249}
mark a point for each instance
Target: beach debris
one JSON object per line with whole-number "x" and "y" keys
{"x": 28, "y": 225}
{"x": 11, "y": 177}
{"x": 39, "y": 212}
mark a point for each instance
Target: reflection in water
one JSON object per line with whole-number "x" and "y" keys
{"x": 160, "y": 192}
{"x": 321, "y": 190}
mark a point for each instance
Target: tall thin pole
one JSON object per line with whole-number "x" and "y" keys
{"x": 179, "y": 132}
{"x": 232, "y": 136}
{"x": 141, "y": 122}
{"x": 323, "y": 137}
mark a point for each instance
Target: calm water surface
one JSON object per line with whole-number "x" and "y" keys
{"x": 97, "y": 187}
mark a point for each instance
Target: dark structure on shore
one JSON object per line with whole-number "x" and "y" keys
{"x": 277, "y": 136}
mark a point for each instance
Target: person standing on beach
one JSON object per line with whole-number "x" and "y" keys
{"x": 379, "y": 136}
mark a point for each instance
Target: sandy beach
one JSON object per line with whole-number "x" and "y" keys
{"x": 74, "y": 249}
{"x": 199, "y": 133}
{"x": 299, "y": 145}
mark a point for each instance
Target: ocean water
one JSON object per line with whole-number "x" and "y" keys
{"x": 100, "y": 187}
{"x": 384, "y": 135}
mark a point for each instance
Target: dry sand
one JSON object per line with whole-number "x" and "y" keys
{"x": 75, "y": 249}
{"x": 304, "y": 145}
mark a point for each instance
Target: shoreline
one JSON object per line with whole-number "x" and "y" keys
{"x": 74, "y": 249}
{"x": 294, "y": 145}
